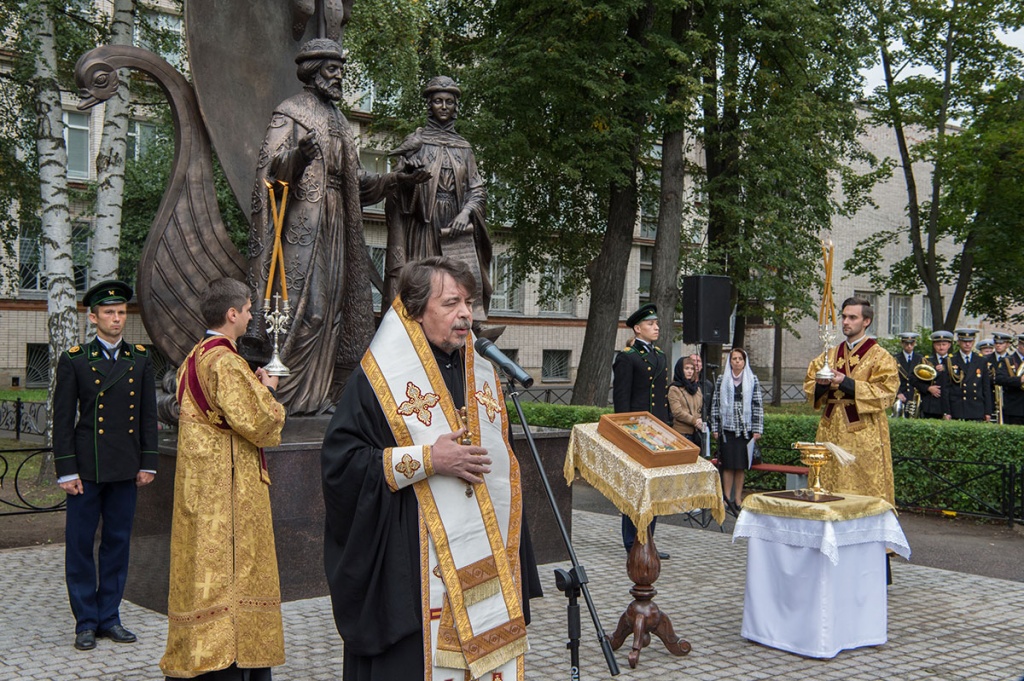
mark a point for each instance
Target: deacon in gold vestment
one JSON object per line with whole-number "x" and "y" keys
{"x": 224, "y": 604}
{"x": 855, "y": 405}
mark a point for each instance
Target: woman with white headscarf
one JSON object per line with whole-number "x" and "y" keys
{"x": 737, "y": 419}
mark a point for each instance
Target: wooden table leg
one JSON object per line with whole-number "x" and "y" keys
{"x": 643, "y": 617}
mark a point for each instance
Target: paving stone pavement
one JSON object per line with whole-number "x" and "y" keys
{"x": 943, "y": 626}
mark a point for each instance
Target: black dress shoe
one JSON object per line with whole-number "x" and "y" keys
{"x": 663, "y": 555}
{"x": 118, "y": 634}
{"x": 85, "y": 640}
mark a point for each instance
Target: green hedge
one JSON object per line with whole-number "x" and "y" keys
{"x": 912, "y": 438}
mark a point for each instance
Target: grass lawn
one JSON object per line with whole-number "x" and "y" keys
{"x": 26, "y": 395}
{"x": 37, "y": 490}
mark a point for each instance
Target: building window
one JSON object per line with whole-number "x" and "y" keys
{"x": 507, "y": 295}
{"x": 37, "y": 365}
{"x": 161, "y": 34}
{"x": 32, "y": 259}
{"x": 869, "y": 296}
{"x": 555, "y": 365}
{"x": 926, "y": 313}
{"x": 558, "y": 304}
{"x": 140, "y": 138}
{"x": 363, "y": 100}
{"x": 646, "y": 264}
{"x": 377, "y": 254}
{"x": 899, "y": 314}
{"x": 76, "y": 139}
{"x": 377, "y": 163}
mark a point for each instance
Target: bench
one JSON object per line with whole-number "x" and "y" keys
{"x": 796, "y": 476}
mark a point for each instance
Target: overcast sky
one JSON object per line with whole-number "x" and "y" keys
{"x": 874, "y": 76}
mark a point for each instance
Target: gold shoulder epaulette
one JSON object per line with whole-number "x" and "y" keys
{"x": 141, "y": 349}
{"x": 75, "y": 351}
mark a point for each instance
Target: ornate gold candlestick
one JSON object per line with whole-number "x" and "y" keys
{"x": 278, "y": 320}
{"x": 814, "y": 455}
{"x": 827, "y": 313}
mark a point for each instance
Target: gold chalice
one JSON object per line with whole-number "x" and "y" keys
{"x": 814, "y": 455}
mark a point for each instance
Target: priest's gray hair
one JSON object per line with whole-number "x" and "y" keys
{"x": 416, "y": 281}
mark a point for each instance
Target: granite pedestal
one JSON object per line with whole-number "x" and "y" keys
{"x": 296, "y": 501}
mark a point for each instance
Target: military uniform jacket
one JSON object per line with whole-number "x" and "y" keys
{"x": 970, "y": 387}
{"x": 641, "y": 381}
{"x": 1013, "y": 393}
{"x": 906, "y": 371}
{"x": 115, "y": 407}
{"x": 934, "y": 406}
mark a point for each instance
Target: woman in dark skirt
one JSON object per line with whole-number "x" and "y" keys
{"x": 737, "y": 418}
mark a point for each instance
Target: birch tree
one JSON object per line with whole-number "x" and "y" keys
{"x": 61, "y": 309}
{"x": 110, "y": 161}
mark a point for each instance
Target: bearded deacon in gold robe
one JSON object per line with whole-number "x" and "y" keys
{"x": 224, "y": 604}
{"x": 854, "y": 406}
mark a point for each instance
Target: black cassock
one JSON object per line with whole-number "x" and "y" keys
{"x": 371, "y": 538}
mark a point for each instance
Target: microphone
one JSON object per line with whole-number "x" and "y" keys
{"x": 499, "y": 359}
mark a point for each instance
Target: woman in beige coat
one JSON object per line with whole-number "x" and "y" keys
{"x": 685, "y": 401}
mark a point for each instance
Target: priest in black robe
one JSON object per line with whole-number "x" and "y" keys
{"x": 372, "y": 545}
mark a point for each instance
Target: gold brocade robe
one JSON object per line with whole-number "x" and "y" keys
{"x": 224, "y": 603}
{"x": 859, "y": 425}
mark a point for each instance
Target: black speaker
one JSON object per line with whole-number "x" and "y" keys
{"x": 706, "y": 309}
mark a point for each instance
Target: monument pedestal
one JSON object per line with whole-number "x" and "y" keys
{"x": 296, "y": 501}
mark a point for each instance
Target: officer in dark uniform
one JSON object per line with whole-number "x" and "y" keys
{"x": 906, "y": 360}
{"x": 1010, "y": 375}
{"x": 970, "y": 386}
{"x": 935, "y": 393}
{"x": 107, "y": 386}
{"x": 1001, "y": 349}
{"x": 640, "y": 373}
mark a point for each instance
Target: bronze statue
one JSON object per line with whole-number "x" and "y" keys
{"x": 447, "y": 215}
{"x": 310, "y": 146}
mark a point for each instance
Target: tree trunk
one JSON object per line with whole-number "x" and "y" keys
{"x": 608, "y": 271}
{"x": 110, "y": 160}
{"x": 62, "y": 314}
{"x": 607, "y": 281}
{"x": 665, "y": 268}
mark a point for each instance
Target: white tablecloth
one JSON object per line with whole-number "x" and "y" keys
{"x": 816, "y": 587}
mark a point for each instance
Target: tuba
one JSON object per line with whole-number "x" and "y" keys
{"x": 926, "y": 372}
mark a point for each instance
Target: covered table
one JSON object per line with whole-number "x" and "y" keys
{"x": 816, "y": 572}
{"x": 642, "y": 493}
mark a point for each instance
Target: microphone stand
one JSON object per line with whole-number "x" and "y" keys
{"x": 571, "y": 582}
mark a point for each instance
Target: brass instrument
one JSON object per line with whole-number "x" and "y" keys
{"x": 925, "y": 372}
{"x": 999, "y": 403}
{"x": 913, "y": 408}
{"x": 1020, "y": 370}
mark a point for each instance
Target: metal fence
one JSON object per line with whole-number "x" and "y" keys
{"x": 29, "y": 495}
{"x": 23, "y": 417}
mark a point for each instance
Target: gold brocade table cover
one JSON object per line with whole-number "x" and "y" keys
{"x": 641, "y": 493}
{"x": 850, "y": 507}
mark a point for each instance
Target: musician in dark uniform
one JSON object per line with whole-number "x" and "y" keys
{"x": 970, "y": 386}
{"x": 935, "y": 393}
{"x": 1001, "y": 349}
{"x": 108, "y": 387}
{"x": 640, "y": 383}
{"x": 906, "y": 360}
{"x": 1010, "y": 375}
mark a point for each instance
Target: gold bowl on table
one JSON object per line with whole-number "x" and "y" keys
{"x": 814, "y": 455}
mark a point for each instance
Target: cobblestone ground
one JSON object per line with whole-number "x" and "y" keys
{"x": 943, "y": 625}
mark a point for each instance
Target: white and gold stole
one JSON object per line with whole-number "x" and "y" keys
{"x": 473, "y": 625}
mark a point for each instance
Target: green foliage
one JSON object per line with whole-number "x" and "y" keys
{"x": 145, "y": 182}
{"x": 556, "y": 415}
{"x": 963, "y": 204}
